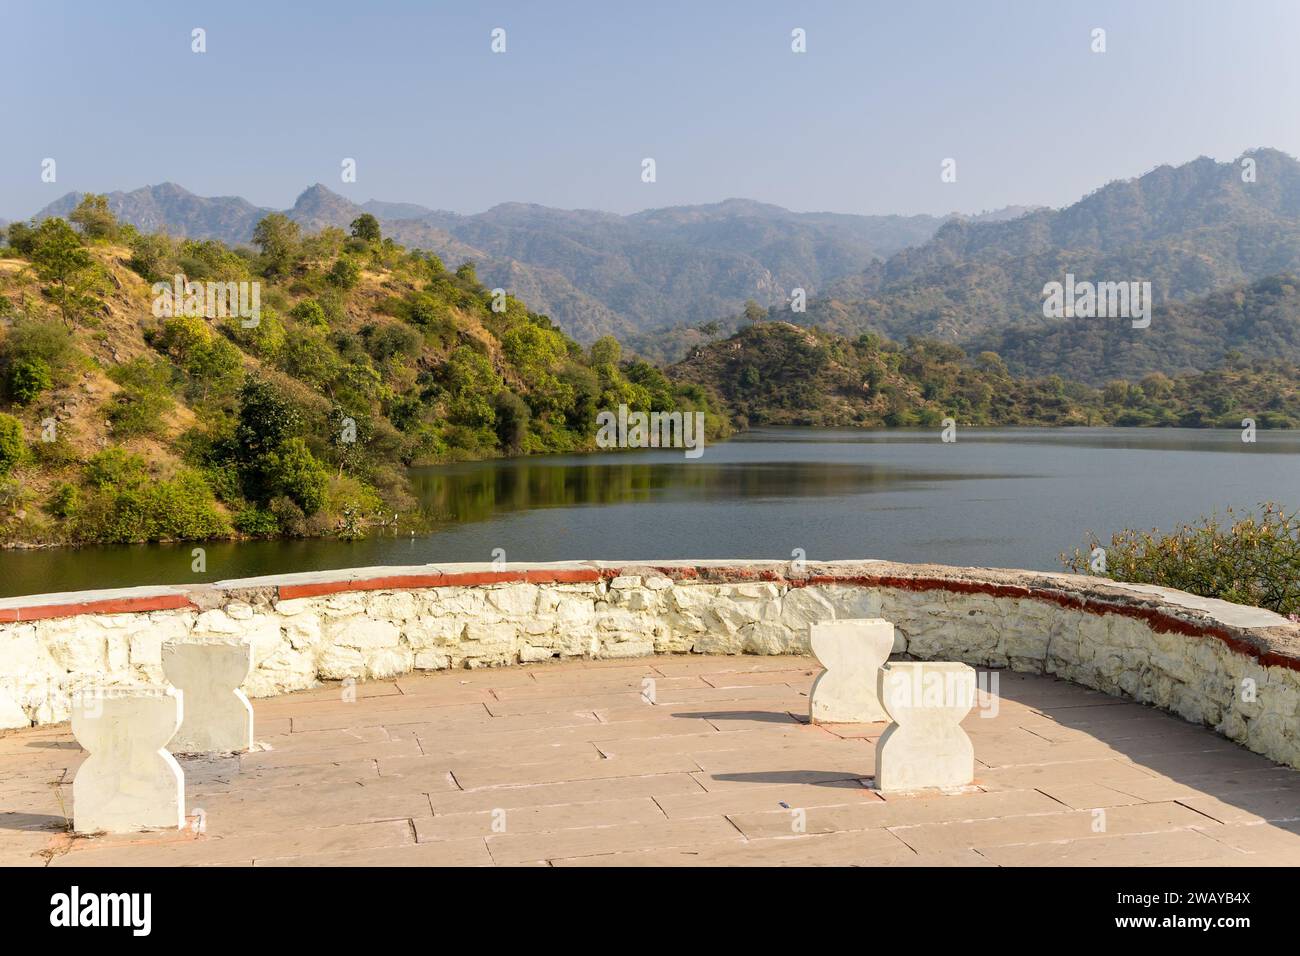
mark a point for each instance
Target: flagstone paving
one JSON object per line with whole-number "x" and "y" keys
{"x": 683, "y": 761}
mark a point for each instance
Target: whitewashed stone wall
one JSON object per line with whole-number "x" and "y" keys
{"x": 1114, "y": 638}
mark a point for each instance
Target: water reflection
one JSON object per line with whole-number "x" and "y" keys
{"x": 996, "y": 497}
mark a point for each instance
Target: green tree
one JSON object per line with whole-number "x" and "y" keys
{"x": 294, "y": 472}
{"x": 151, "y": 256}
{"x": 511, "y": 423}
{"x": 279, "y": 239}
{"x": 606, "y": 351}
{"x": 366, "y": 227}
{"x": 266, "y": 419}
{"x": 310, "y": 313}
{"x": 22, "y": 237}
{"x": 95, "y": 218}
{"x": 62, "y": 261}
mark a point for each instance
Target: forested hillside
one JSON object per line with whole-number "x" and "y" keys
{"x": 776, "y": 373}
{"x": 122, "y": 424}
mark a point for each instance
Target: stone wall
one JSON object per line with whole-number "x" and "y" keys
{"x": 1233, "y": 668}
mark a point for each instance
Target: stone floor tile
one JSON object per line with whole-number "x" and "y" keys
{"x": 470, "y": 852}
{"x": 1049, "y": 827}
{"x": 1272, "y": 806}
{"x": 1176, "y": 847}
{"x": 574, "y": 769}
{"x": 701, "y": 803}
{"x": 591, "y": 841}
{"x": 542, "y": 819}
{"x": 900, "y": 812}
{"x": 555, "y": 794}
{"x": 301, "y": 757}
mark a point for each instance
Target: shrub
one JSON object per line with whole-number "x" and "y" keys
{"x": 27, "y": 378}
{"x": 1252, "y": 560}
{"x": 151, "y": 256}
{"x": 58, "y": 453}
{"x": 310, "y": 313}
{"x": 345, "y": 273}
{"x": 138, "y": 409}
{"x": 180, "y": 509}
{"x": 256, "y": 523}
{"x": 264, "y": 339}
{"x": 387, "y": 340}
{"x": 114, "y": 467}
{"x": 136, "y": 412}
{"x": 308, "y": 357}
{"x": 289, "y": 517}
{"x": 13, "y": 447}
{"x": 32, "y": 341}
{"x": 22, "y": 238}
{"x": 63, "y": 500}
{"x": 300, "y": 476}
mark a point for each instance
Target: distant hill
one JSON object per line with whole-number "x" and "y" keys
{"x": 776, "y": 373}
{"x": 175, "y": 210}
{"x": 1258, "y": 320}
{"x": 1190, "y": 230}
{"x": 594, "y": 273}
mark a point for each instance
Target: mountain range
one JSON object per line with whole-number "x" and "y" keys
{"x": 594, "y": 273}
{"x": 1219, "y": 243}
{"x": 1189, "y": 230}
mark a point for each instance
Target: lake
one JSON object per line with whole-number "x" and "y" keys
{"x": 1007, "y": 497}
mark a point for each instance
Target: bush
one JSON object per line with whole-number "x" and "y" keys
{"x": 388, "y": 340}
{"x": 345, "y": 272}
{"x": 22, "y": 238}
{"x": 310, "y": 313}
{"x": 63, "y": 500}
{"x": 27, "y": 378}
{"x": 136, "y": 412}
{"x": 34, "y": 343}
{"x": 301, "y": 477}
{"x": 114, "y": 467}
{"x": 13, "y": 447}
{"x": 151, "y": 256}
{"x": 176, "y": 510}
{"x": 257, "y": 523}
{"x": 1253, "y": 560}
{"x": 290, "y": 471}
{"x": 138, "y": 409}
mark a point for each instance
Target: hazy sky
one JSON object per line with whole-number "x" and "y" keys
{"x": 710, "y": 90}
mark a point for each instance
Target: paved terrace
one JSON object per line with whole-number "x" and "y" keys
{"x": 577, "y": 768}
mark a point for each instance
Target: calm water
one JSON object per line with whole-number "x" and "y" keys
{"x": 996, "y": 497}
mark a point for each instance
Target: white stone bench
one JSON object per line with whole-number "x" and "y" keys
{"x": 925, "y": 746}
{"x": 852, "y": 651}
{"x": 130, "y": 781}
{"x": 218, "y": 715}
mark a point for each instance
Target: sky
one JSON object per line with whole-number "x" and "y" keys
{"x": 859, "y": 123}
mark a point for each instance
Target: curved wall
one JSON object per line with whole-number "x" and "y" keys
{"x": 1234, "y": 668}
